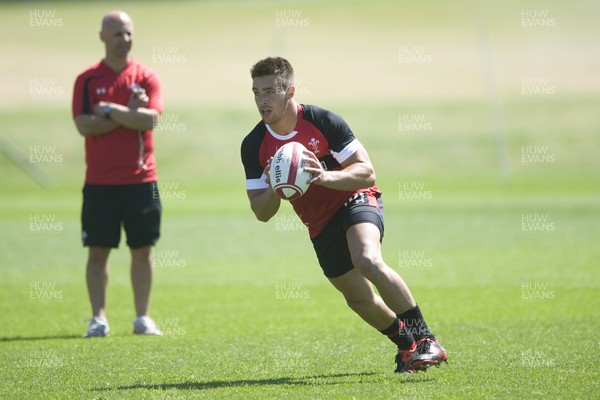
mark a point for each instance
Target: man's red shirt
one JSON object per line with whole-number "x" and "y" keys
{"x": 328, "y": 136}
{"x": 122, "y": 156}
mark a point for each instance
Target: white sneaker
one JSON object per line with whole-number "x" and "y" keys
{"x": 97, "y": 327}
{"x": 145, "y": 326}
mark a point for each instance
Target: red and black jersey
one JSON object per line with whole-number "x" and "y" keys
{"x": 324, "y": 133}
{"x": 117, "y": 157}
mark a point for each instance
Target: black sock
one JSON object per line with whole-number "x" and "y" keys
{"x": 397, "y": 334}
{"x": 415, "y": 324}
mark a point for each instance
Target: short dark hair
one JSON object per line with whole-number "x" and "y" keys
{"x": 278, "y": 66}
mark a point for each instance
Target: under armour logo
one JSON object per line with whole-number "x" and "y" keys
{"x": 101, "y": 90}
{"x": 358, "y": 198}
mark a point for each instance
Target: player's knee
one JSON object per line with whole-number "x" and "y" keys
{"x": 141, "y": 253}
{"x": 98, "y": 255}
{"x": 359, "y": 304}
{"x": 369, "y": 263}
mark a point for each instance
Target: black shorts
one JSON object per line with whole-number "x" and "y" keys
{"x": 331, "y": 244}
{"x": 106, "y": 207}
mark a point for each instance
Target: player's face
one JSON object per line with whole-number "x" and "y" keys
{"x": 270, "y": 98}
{"x": 117, "y": 36}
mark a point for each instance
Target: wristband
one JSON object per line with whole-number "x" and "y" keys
{"x": 106, "y": 110}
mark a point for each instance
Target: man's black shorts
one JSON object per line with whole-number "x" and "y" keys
{"x": 108, "y": 207}
{"x": 331, "y": 244}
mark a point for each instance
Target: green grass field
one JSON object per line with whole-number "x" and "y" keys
{"x": 504, "y": 263}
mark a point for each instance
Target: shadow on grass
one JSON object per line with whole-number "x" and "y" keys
{"x": 336, "y": 379}
{"x": 34, "y": 338}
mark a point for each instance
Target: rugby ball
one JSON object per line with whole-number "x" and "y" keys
{"x": 288, "y": 178}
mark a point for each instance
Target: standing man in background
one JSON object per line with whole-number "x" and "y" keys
{"x": 116, "y": 104}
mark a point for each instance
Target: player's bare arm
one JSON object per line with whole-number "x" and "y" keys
{"x": 357, "y": 172}
{"x": 264, "y": 202}
{"x": 98, "y": 124}
{"x": 93, "y": 125}
{"x": 139, "y": 119}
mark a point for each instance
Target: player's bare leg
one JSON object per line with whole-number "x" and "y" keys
{"x": 421, "y": 350}
{"x": 141, "y": 278}
{"x": 365, "y": 249}
{"x": 142, "y": 269}
{"x": 361, "y": 298}
{"x": 97, "y": 279}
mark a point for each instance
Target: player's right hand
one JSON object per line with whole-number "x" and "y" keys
{"x": 267, "y": 172}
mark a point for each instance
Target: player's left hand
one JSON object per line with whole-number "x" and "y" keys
{"x": 137, "y": 100}
{"x": 314, "y": 168}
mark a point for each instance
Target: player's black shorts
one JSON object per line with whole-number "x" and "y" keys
{"x": 108, "y": 207}
{"x": 331, "y": 244}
